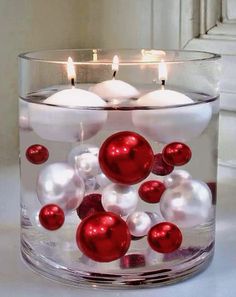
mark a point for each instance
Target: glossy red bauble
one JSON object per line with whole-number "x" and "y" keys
{"x": 151, "y": 191}
{"x": 103, "y": 237}
{"x": 37, "y": 154}
{"x": 165, "y": 237}
{"x": 160, "y": 167}
{"x": 91, "y": 204}
{"x": 126, "y": 158}
{"x": 51, "y": 217}
{"x": 176, "y": 154}
{"x": 132, "y": 261}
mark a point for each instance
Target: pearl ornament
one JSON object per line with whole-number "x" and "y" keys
{"x": 188, "y": 205}
{"x": 58, "y": 183}
{"x": 139, "y": 223}
{"x": 176, "y": 178}
{"x": 119, "y": 199}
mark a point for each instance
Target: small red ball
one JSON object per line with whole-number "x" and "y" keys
{"x": 37, "y": 154}
{"x": 160, "y": 167}
{"x": 132, "y": 261}
{"x": 126, "y": 158}
{"x": 51, "y": 217}
{"x": 91, "y": 204}
{"x": 103, "y": 237}
{"x": 151, "y": 191}
{"x": 164, "y": 237}
{"x": 176, "y": 154}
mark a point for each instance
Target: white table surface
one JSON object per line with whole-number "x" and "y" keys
{"x": 219, "y": 280}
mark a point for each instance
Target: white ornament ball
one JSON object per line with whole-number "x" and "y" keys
{"x": 139, "y": 223}
{"x": 59, "y": 184}
{"x": 119, "y": 199}
{"x": 102, "y": 180}
{"x": 176, "y": 177}
{"x": 84, "y": 159}
{"x": 172, "y": 123}
{"x": 115, "y": 89}
{"x": 187, "y": 205}
{"x": 71, "y": 124}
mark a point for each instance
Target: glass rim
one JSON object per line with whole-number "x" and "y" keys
{"x": 121, "y": 108}
{"x": 209, "y": 56}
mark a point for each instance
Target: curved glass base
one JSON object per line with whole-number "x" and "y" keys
{"x": 150, "y": 278}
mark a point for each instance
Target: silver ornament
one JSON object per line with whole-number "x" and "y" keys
{"x": 119, "y": 199}
{"x": 59, "y": 183}
{"x": 84, "y": 159}
{"x": 139, "y": 223}
{"x": 175, "y": 178}
{"x": 188, "y": 204}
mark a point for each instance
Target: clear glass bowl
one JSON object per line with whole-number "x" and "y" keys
{"x": 122, "y": 165}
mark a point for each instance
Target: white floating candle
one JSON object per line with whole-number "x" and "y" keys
{"x": 64, "y": 122}
{"x": 178, "y": 123}
{"x": 115, "y": 90}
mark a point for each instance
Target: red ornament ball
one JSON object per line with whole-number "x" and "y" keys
{"x": 91, "y": 204}
{"x": 160, "y": 167}
{"x": 151, "y": 191}
{"x": 103, "y": 237}
{"x": 176, "y": 154}
{"x": 126, "y": 158}
{"x": 165, "y": 237}
{"x": 51, "y": 217}
{"x": 132, "y": 261}
{"x": 37, "y": 154}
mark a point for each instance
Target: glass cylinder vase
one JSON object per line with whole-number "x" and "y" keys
{"x": 118, "y": 160}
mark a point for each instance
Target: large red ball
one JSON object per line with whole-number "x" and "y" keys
{"x": 103, "y": 237}
{"x": 37, "y": 154}
{"x": 126, "y": 158}
{"x": 151, "y": 191}
{"x": 176, "y": 154}
{"x": 160, "y": 167}
{"x": 91, "y": 204}
{"x": 165, "y": 237}
{"x": 51, "y": 217}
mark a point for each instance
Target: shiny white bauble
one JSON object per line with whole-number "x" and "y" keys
{"x": 59, "y": 184}
{"x": 172, "y": 123}
{"x": 119, "y": 199}
{"x": 114, "y": 89}
{"x": 139, "y": 223}
{"x": 102, "y": 180}
{"x": 187, "y": 205}
{"x": 84, "y": 159}
{"x": 64, "y": 118}
{"x": 176, "y": 177}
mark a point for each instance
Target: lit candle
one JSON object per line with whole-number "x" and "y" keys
{"x": 172, "y": 124}
{"x": 65, "y": 121}
{"x": 115, "y": 90}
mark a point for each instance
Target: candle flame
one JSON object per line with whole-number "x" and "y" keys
{"x": 95, "y": 55}
{"x": 115, "y": 63}
{"x": 163, "y": 71}
{"x": 71, "y": 69}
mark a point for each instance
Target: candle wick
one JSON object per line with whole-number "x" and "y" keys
{"x": 114, "y": 74}
{"x": 163, "y": 82}
{"x": 72, "y": 81}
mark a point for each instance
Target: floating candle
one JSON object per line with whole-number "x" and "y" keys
{"x": 115, "y": 90}
{"x": 179, "y": 122}
{"x": 62, "y": 123}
